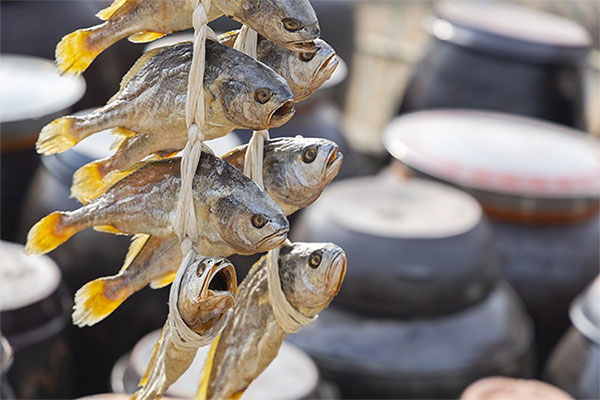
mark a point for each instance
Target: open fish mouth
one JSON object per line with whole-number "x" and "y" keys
{"x": 273, "y": 240}
{"x": 302, "y": 46}
{"x": 336, "y": 273}
{"x": 281, "y": 115}
{"x": 324, "y": 72}
{"x": 219, "y": 278}
{"x": 334, "y": 162}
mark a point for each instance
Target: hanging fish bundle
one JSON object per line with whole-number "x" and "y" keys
{"x": 162, "y": 108}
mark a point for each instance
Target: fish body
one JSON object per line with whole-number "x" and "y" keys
{"x": 149, "y": 109}
{"x": 233, "y": 215}
{"x": 305, "y": 72}
{"x": 206, "y": 293}
{"x": 311, "y": 275}
{"x": 295, "y": 173}
{"x": 292, "y": 23}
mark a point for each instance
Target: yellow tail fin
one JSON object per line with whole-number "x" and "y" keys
{"x": 88, "y": 182}
{"x": 97, "y": 299}
{"x": 145, "y": 37}
{"x": 163, "y": 280}
{"x": 57, "y": 136}
{"x": 48, "y": 234}
{"x": 202, "y": 393}
{"x": 74, "y": 53}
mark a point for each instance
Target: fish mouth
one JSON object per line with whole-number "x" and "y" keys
{"x": 281, "y": 115}
{"x": 334, "y": 162}
{"x": 336, "y": 273}
{"x": 302, "y": 46}
{"x": 219, "y": 279}
{"x": 327, "y": 68}
{"x": 272, "y": 241}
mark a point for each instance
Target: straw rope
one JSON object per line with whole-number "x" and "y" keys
{"x": 288, "y": 318}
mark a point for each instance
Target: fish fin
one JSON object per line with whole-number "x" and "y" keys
{"x": 144, "y": 378}
{"x": 137, "y": 244}
{"x": 123, "y": 132}
{"x": 111, "y": 10}
{"x": 228, "y": 38}
{"x": 110, "y": 229}
{"x": 88, "y": 182}
{"x": 236, "y": 156}
{"x": 145, "y": 37}
{"x": 163, "y": 280}
{"x": 74, "y": 53}
{"x": 92, "y": 304}
{"x": 48, "y": 233}
{"x": 139, "y": 64}
{"x": 202, "y": 393}
{"x": 237, "y": 395}
{"x": 57, "y": 136}
{"x": 118, "y": 143}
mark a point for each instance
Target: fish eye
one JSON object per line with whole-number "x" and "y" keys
{"x": 259, "y": 220}
{"x": 291, "y": 24}
{"x": 307, "y": 56}
{"x": 263, "y": 95}
{"x": 201, "y": 267}
{"x": 315, "y": 259}
{"x": 309, "y": 154}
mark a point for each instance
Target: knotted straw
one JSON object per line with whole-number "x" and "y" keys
{"x": 288, "y": 318}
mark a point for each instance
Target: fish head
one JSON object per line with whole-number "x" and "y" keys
{"x": 207, "y": 291}
{"x": 297, "y": 170}
{"x": 306, "y": 71}
{"x": 290, "y": 23}
{"x": 311, "y": 274}
{"x": 253, "y": 96}
{"x": 249, "y": 220}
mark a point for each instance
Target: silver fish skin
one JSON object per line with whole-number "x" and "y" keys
{"x": 203, "y": 302}
{"x": 311, "y": 275}
{"x": 149, "y": 109}
{"x": 232, "y": 214}
{"x": 291, "y": 23}
{"x": 305, "y": 72}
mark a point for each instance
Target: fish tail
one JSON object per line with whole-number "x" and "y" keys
{"x": 76, "y": 51}
{"x": 49, "y": 233}
{"x": 97, "y": 299}
{"x": 92, "y": 180}
{"x": 57, "y": 136}
{"x": 202, "y": 393}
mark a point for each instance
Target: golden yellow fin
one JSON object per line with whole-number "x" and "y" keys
{"x": 237, "y": 395}
{"x": 109, "y": 229}
{"x": 137, "y": 244}
{"x": 74, "y": 53}
{"x": 229, "y": 38}
{"x": 118, "y": 143}
{"x": 49, "y": 233}
{"x": 88, "y": 182}
{"x": 57, "y": 136}
{"x": 97, "y": 299}
{"x": 123, "y": 132}
{"x": 109, "y": 11}
{"x": 145, "y": 37}
{"x": 202, "y": 393}
{"x": 163, "y": 280}
{"x": 144, "y": 379}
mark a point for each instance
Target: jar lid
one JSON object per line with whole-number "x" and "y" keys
{"x": 25, "y": 280}
{"x": 30, "y": 87}
{"x": 413, "y": 209}
{"x": 585, "y": 312}
{"x": 498, "y": 153}
{"x": 512, "y": 30}
{"x": 500, "y": 387}
{"x": 292, "y": 372}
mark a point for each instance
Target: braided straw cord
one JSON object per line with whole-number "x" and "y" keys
{"x": 288, "y": 318}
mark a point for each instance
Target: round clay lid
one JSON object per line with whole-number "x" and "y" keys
{"x": 498, "y": 153}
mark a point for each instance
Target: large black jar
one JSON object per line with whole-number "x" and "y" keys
{"x": 417, "y": 248}
{"x": 575, "y": 363}
{"x": 538, "y": 182}
{"x": 498, "y": 56}
{"x": 34, "y": 310}
{"x": 422, "y": 358}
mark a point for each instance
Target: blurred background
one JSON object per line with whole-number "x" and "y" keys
{"x": 467, "y": 205}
